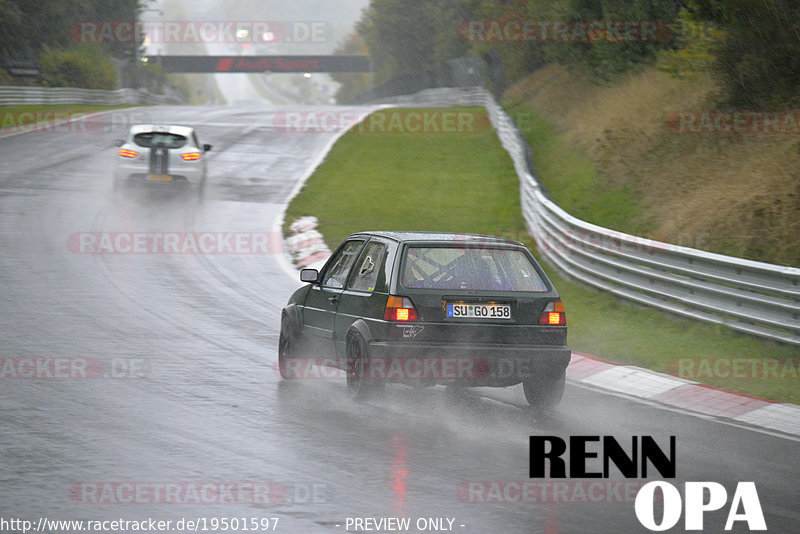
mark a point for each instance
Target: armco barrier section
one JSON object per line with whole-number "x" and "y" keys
{"x": 23, "y": 95}
{"x": 748, "y": 296}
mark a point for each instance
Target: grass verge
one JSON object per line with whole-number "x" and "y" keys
{"x": 573, "y": 181}
{"x": 626, "y": 156}
{"x": 465, "y": 182}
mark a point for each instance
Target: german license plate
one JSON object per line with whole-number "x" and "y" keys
{"x": 159, "y": 177}
{"x": 473, "y": 310}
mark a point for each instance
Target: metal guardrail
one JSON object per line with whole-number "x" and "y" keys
{"x": 25, "y": 95}
{"x": 749, "y": 296}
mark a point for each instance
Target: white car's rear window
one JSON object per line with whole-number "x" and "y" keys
{"x": 491, "y": 269}
{"x": 159, "y": 140}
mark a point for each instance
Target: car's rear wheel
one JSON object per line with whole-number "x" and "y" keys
{"x": 287, "y": 345}
{"x": 360, "y": 384}
{"x": 544, "y": 392}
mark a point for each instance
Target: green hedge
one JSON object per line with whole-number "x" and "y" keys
{"x": 85, "y": 67}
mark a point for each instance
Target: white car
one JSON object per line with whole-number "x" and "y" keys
{"x": 161, "y": 155}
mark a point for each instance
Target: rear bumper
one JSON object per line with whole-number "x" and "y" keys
{"x": 468, "y": 364}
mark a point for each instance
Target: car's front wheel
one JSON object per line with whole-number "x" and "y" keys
{"x": 544, "y": 392}
{"x": 287, "y": 345}
{"x": 359, "y": 382}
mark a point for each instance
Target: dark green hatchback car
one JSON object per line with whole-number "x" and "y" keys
{"x": 425, "y": 309}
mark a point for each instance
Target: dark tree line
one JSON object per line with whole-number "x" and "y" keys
{"x": 27, "y": 26}
{"x": 38, "y": 31}
{"x": 754, "y": 46}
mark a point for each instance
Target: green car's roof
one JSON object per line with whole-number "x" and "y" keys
{"x": 439, "y": 237}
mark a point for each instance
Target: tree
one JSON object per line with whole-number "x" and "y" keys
{"x": 758, "y": 62}
{"x": 606, "y": 59}
{"x": 352, "y": 83}
{"x": 400, "y": 36}
{"x": 84, "y": 66}
{"x": 27, "y": 26}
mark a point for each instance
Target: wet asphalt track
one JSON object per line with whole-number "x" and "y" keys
{"x": 205, "y": 403}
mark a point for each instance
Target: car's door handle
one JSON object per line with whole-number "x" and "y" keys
{"x": 333, "y": 299}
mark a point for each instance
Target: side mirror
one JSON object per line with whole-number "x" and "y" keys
{"x": 309, "y": 275}
{"x": 207, "y": 148}
{"x": 119, "y": 142}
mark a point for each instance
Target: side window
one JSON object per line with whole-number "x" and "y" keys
{"x": 341, "y": 263}
{"x": 368, "y": 268}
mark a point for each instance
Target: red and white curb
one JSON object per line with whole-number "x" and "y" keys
{"x": 305, "y": 245}
{"x": 684, "y": 394}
